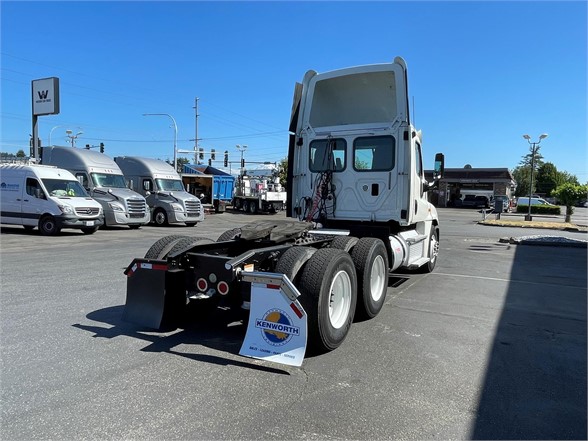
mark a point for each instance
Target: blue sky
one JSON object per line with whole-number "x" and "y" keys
{"x": 481, "y": 74}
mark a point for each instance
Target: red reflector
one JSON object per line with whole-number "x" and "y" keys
{"x": 273, "y": 286}
{"x": 297, "y": 311}
{"x": 222, "y": 288}
{"x": 202, "y": 284}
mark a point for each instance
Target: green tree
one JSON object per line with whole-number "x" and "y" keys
{"x": 21, "y": 154}
{"x": 569, "y": 194}
{"x": 283, "y": 172}
{"x": 522, "y": 173}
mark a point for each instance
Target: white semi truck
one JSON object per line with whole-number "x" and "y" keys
{"x": 105, "y": 182}
{"x": 357, "y": 199}
{"x": 163, "y": 189}
{"x": 259, "y": 191}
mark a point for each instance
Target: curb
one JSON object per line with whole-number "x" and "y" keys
{"x": 552, "y": 241}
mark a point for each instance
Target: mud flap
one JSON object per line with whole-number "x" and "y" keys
{"x": 277, "y": 328}
{"x": 154, "y": 294}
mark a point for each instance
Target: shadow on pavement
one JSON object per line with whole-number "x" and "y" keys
{"x": 535, "y": 385}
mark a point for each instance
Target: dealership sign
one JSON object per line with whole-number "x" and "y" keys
{"x": 45, "y": 95}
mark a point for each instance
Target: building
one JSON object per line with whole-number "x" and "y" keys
{"x": 458, "y": 182}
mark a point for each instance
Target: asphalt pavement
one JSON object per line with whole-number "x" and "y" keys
{"x": 491, "y": 345}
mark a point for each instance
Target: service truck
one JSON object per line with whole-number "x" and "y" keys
{"x": 105, "y": 182}
{"x": 163, "y": 189}
{"x": 357, "y": 207}
{"x": 259, "y": 191}
{"x": 46, "y": 197}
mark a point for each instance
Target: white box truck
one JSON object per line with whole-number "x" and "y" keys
{"x": 46, "y": 197}
{"x": 163, "y": 189}
{"x": 105, "y": 182}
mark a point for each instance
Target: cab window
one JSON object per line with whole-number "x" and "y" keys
{"x": 327, "y": 154}
{"x": 375, "y": 153}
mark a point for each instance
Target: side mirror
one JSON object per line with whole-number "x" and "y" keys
{"x": 439, "y": 166}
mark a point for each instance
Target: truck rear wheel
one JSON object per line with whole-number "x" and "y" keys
{"x": 245, "y": 206}
{"x": 163, "y": 246}
{"x": 48, "y": 226}
{"x": 344, "y": 243}
{"x": 371, "y": 263}
{"x": 188, "y": 242}
{"x": 328, "y": 285}
{"x": 232, "y": 234}
{"x": 292, "y": 261}
{"x": 252, "y": 207}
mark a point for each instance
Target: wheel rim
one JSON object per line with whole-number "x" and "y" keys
{"x": 48, "y": 225}
{"x": 159, "y": 218}
{"x": 377, "y": 278}
{"x": 434, "y": 247}
{"x": 339, "y": 299}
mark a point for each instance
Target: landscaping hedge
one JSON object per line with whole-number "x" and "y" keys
{"x": 539, "y": 209}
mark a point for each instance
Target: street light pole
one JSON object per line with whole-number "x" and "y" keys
{"x": 175, "y": 135}
{"x": 242, "y": 149}
{"x": 534, "y": 148}
{"x": 51, "y": 132}
{"x": 73, "y": 137}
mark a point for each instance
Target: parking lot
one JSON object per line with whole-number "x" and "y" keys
{"x": 491, "y": 345}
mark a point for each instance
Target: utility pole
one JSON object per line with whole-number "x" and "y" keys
{"x": 196, "y": 130}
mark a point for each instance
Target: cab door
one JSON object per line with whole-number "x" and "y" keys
{"x": 34, "y": 202}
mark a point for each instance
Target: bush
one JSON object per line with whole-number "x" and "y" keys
{"x": 539, "y": 209}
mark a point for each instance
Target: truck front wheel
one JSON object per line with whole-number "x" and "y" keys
{"x": 160, "y": 217}
{"x": 433, "y": 251}
{"x": 371, "y": 263}
{"x": 48, "y": 226}
{"x": 329, "y": 295}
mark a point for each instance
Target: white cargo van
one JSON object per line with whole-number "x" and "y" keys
{"x": 46, "y": 197}
{"x": 163, "y": 188}
{"x": 105, "y": 182}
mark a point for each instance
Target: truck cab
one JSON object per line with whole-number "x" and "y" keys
{"x": 163, "y": 189}
{"x": 355, "y": 159}
{"x": 105, "y": 183}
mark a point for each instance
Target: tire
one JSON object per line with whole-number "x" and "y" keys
{"x": 237, "y": 204}
{"x": 433, "y": 251}
{"x": 233, "y": 234}
{"x": 187, "y": 242}
{"x": 292, "y": 261}
{"x": 160, "y": 217}
{"x": 245, "y": 206}
{"x": 344, "y": 243}
{"x": 370, "y": 258}
{"x": 48, "y": 226}
{"x": 328, "y": 285}
{"x": 252, "y": 207}
{"x": 90, "y": 230}
{"x": 163, "y": 246}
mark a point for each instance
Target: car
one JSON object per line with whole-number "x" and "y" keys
{"x": 474, "y": 201}
{"x": 534, "y": 201}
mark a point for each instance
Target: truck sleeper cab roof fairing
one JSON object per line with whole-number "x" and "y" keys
{"x": 352, "y": 97}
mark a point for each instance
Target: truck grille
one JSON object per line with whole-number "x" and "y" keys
{"x": 193, "y": 208}
{"x": 137, "y": 208}
{"x": 87, "y": 211}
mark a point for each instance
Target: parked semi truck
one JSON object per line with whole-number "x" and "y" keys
{"x": 163, "y": 189}
{"x": 358, "y": 209}
{"x": 104, "y": 181}
{"x": 259, "y": 191}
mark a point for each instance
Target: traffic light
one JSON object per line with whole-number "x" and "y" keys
{"x": 226, "y": 158}
{"x": 213, "y": 154}
{"x": 200, "y": 153}
{"x": 209, "y": 162}
{"x": 101, "y": 147}
{"x": 87, "y": 146}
